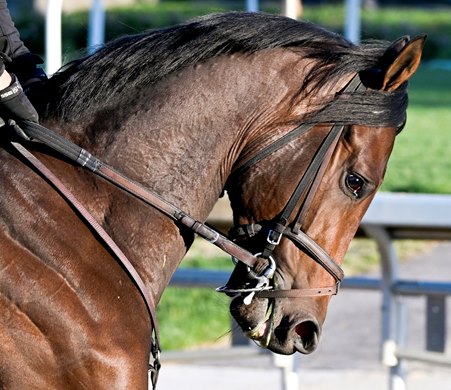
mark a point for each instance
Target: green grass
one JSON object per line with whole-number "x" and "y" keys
{"x": 196, "y": 316}
{"x": 362, "y": 256}
{"x": 193, "y": 317}
{"x": 421, "y": 158}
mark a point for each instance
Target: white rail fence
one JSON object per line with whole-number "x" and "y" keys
{"x": 96, "y": 28}
{"x": 391, "y": 216}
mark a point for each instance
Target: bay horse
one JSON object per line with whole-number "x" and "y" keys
{"x": 189, "y": 112}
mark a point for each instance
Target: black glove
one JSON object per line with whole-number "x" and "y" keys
{"x": 15, "y": 105}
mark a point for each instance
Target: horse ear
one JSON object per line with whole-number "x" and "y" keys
{"x": 405, "y": 58}
{"x": 393, "y": 50}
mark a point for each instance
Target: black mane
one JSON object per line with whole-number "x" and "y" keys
{"x": 129, "y": 63}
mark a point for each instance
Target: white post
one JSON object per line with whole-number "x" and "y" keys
{"x": 96, "y": 33}
{"x": 252, "y": 6}
{"x": 291, "y": 8}
{"x": 352, "y": 20}
{"x": 392, "y": 311}
{"x": 289, "y": 365}
{"x": 53, "y": 36}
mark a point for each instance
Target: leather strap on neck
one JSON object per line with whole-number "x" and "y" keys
{"x": 155, "y": 365}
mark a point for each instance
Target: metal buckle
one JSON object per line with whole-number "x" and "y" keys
{"x": 270, "y": 269}
{"x": 262, "y": 279}
{"x": 270, "y": 240}
{"x": 337, "y": 287}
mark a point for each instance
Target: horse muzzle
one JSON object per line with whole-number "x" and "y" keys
{"x": 265, "y": 321}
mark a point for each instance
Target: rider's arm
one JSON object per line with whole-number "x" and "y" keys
{"x": 16, "y": 62}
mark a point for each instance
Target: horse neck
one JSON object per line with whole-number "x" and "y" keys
{"x": 183, "y": 144}
{"x": 184, "y": 134}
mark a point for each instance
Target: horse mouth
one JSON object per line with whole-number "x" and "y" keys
{"x": 259, "y": 332}
{"x": 262, "y": 333}
{"x": 247, "y": 315}
{"x": 253, "y": 318}
{"x": 271, "y": 322}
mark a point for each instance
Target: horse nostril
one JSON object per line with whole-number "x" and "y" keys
{"x": 307, "y": 333}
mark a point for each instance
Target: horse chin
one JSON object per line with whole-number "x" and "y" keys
{"x": 263, "y": 321}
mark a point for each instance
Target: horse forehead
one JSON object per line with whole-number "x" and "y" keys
{"x": 372, "y": 143}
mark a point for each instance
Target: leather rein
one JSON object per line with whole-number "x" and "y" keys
{"x": 29, "y": 131}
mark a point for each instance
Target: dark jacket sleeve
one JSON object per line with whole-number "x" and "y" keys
{"x": 10, "y": 42}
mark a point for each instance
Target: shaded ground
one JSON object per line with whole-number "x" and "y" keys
{"x": 348, "y": 356}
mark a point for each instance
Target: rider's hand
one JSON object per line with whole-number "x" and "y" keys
{"x": 15, "y": 105}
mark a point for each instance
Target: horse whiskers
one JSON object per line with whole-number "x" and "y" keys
{"x": 235, "y": 327}
{"x": 226, "y": 333}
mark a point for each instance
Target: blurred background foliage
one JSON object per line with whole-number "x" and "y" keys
{"x": 380, "y": 20}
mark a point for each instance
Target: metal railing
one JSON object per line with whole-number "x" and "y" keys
{"x": 401, "y": 216}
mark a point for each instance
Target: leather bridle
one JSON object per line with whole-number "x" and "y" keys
{"x": 280, "y": 227}
{"x": 264, "y": 287}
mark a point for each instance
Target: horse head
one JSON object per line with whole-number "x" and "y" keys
{"x": 310, "y": 216}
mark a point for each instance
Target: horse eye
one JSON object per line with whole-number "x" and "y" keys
{"x": 355, "y": 184}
